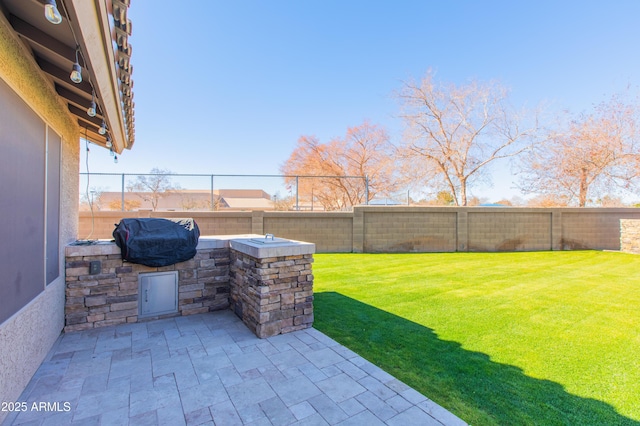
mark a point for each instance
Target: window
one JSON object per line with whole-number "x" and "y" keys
{"x": 29, "y": 203}
{"x": 52, "y": 250}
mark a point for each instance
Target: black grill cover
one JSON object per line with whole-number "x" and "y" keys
{"x": 157, "y": 242}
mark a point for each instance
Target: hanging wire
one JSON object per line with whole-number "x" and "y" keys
{"x": 84, "y": 60}
{"x": 86, "y": 140}
{"x": 87, "y": 193}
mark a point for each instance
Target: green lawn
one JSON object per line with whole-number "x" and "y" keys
{"x": 496, "y": 338}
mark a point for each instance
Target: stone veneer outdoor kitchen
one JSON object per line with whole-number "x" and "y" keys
{"x": 268, "y": 284}
{"x": 630, "y": 236}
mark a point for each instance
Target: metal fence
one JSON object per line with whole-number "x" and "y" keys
{"x": 211, "y": 192}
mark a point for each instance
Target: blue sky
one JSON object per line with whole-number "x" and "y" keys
{"x": 227, "y": 87}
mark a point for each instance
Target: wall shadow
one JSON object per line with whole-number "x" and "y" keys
{"x": 469, "y": 384}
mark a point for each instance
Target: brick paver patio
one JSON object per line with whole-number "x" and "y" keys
{"x": 210, "y": 369}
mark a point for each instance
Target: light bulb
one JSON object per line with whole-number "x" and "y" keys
{"x": 51, "y": 12}
{"x": 91, "y": 111}
{"x": 115, "y": 159}
{"x": 108, "y": 144}
{"x": 103, "y": 129}
{"x": 111, "y": 153}
{"x": 76, "y": 73}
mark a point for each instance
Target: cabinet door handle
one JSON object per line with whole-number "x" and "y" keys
{"x": 146, "y": 295}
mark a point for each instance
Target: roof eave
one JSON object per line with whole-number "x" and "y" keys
{"x": 91, "y": 22}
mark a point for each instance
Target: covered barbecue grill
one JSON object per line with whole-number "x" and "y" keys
{"x": 156, "y": 241}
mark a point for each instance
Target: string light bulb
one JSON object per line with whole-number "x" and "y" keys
{"x": 91, "y": 111}
{"x": 108, "y": 143}
{"x": 51, "y": 12}
{"x": 115, "y": 159}
{"x": 103, "y": 128}
{"x": 76, "y": 70}
{"x": 111, "y": 153}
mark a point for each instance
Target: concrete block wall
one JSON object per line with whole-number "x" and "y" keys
{"x": 409, "y": 230}
{"x": 210, "y": 223}
{"x": 330, "y": 232}
{"x": 101, "y": 224}
{"x": 594, "y": 229}
{"x": 420, "y": 229}
{"x": 216, "y": 223}
{"x": 511, "y": 230}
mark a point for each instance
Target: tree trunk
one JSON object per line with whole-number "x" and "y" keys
{"x": 463, "y": 192}
{"x": 582, "y": 201}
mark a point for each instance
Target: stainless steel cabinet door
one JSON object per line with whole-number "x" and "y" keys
{"x": 158, "y": 293}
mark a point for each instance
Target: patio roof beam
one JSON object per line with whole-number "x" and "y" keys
{"x": 82, "y": 115}
{"x": 91, "y": 132}
{"x": 40, "y": 38}
{"x": 62, "y": 76}
{"x": 73, "y": 97}
{"x": 80, "y": 102}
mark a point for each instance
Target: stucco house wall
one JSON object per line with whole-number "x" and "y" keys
{"x": 29, "y": 328}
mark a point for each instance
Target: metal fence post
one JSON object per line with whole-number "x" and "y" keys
{"x": 214, "y": 199}
{"x": 122, "y": 194}
{"x": 212, "y": 205}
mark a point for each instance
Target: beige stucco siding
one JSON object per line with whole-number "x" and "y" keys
{"x": 27, "y": 336}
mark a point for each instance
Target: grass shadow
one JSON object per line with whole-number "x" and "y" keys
{"x": 469, "y": 384}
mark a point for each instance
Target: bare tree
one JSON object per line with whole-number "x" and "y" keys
{"x": 548, "y": 200}
{"x": 153, "y": 187}
{"x": 610, "y": 201}
{"x": 453, "y": 133}
{"x": 129, "y": 205}
{"x": 282, "y": 203}
{"x": 445, "y": 198}
{"x": 364, "y": 151}
{"x": 193, "y": 202}
{"x": 92, "y": 200}
{"x": 588, "y": 158}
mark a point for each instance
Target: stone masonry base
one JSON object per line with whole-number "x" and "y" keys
{"x": 271, "y": 293}
{"x": 111, "y": 297}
